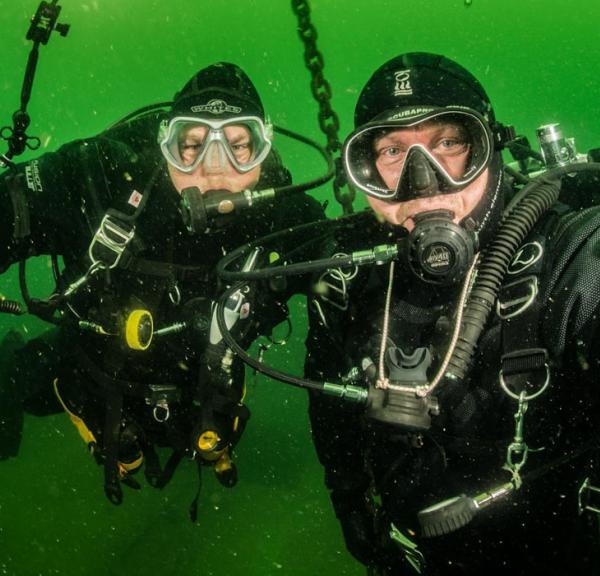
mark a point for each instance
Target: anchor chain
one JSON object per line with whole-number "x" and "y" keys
{"x": 321, "y": 90}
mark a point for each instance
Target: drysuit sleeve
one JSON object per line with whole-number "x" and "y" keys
{"x": 334, "y": 313}
{"x": 337, "y": 436}
{"x": 36, "y": 207}
{"x": 335, "y": 426}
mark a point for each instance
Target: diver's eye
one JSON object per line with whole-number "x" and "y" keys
{"x": 391, "y": 154}
{"x": 189, "y": 151}
{"x": 190, "y": 147}
{"x": 451, "y": 146}
{"x": 241, "y": 150}
{"x": 448, "y": 143}
{"x": 392, "y": 151}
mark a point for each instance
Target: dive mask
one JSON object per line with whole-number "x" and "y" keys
{"x": 420, "y": 149}
{"x": 244, "y": 141}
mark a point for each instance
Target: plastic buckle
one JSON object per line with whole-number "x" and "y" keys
{"x": 109, "y": 243}
{"x": 516, "y": 297}
{"x": 160, "y": 396}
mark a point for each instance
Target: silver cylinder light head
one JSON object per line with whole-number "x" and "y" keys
{"x": 556, "y": 149}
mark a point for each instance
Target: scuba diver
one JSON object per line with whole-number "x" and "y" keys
{"x": 137, "y": 360}
{"x": 478, "y": 343}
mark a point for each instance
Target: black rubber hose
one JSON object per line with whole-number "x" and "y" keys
{"x": 519, "y": 219}
{"x": 245, "y": 357}
{"x": 308, "y": 230}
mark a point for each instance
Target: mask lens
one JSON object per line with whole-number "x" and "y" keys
{"x": 187, "y": 143}
{"x": 457, "y": 145}
{"x": 244, "y": 142}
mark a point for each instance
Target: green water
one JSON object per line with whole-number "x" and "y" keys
{"x": 538, "y": 60}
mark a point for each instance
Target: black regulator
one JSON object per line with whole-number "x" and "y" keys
{"x": 202, "y": 212}
{"x": 438, "y": 251}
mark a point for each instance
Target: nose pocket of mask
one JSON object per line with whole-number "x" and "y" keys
{"x": 214, "y": 157}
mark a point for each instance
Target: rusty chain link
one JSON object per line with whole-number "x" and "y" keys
{"x": 321, "y": 90}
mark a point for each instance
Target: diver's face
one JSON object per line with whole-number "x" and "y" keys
{"x": 448, "y": 144}
{"x": 215, "y": 172}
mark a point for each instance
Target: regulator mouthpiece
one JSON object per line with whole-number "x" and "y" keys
{"x": 202, "y": 211}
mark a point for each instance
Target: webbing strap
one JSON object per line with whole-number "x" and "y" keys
{"x": 21, "y": 222}
{"x": 524, "y": 357}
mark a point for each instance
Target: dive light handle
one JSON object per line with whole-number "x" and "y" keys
{"x": 454, "y": 513}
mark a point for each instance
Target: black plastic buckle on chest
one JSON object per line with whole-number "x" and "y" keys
{"x": 110, "y": 242}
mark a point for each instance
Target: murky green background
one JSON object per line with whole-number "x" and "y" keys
{"x": 540, "y": 63}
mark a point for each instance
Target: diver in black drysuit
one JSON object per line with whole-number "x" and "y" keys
{"x": 183, "y": 390}
{"x": 382, "y": 474}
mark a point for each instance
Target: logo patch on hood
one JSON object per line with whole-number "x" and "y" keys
{"x": 216, "y": 107}
{"x": 412, "y": 113}
{"x": 403, "y": 86}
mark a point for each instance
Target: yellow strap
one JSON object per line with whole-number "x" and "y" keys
{"x": 85, "y": 433}
{"x": 90, "y": 440}
{"x": 127, "y": 467}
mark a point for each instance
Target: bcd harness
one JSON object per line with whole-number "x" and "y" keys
{"x": 114, "y": 245}
{"x": 528, "y": 366}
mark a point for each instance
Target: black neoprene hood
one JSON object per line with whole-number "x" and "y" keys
{"x": 419, "y": 79}
{"x": 220, "y": 91}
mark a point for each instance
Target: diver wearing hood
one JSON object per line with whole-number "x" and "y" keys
{"x": 426, "y": 152}
{"x": 137, "y": 360}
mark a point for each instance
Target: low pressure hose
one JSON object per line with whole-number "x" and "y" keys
{"x": 316, "y": 231}
{"x": 519, "y": 218}
{"x": 10, "y": 306}
{"x": 355, "y": 394}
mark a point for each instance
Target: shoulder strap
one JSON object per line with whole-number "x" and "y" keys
{"x": 545, "y": 287}
{"x": 520, "y": 305}
{"x": 116, "y": 232}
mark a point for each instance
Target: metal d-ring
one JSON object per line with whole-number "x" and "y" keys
{"x": 175, "y": 294}
{"x": 531, "y": 396}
